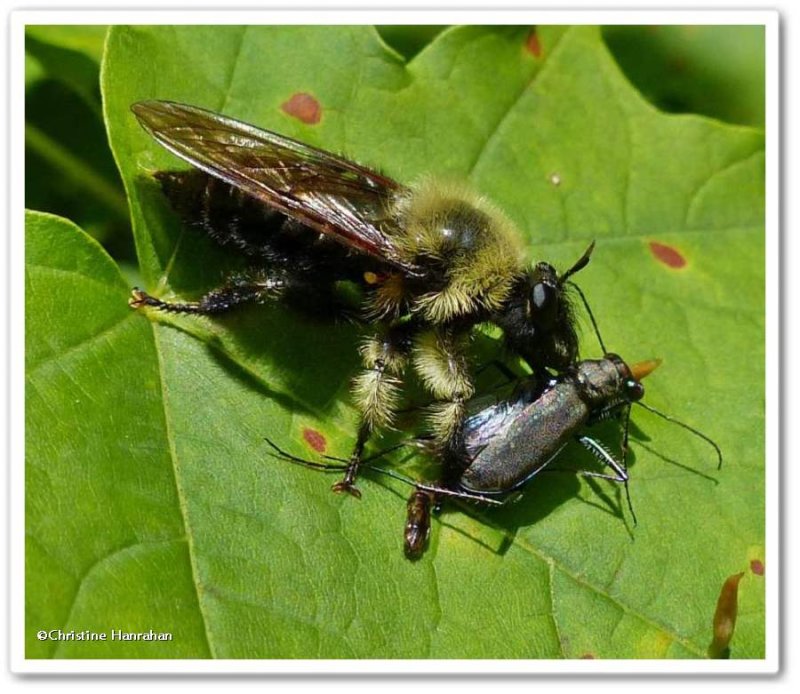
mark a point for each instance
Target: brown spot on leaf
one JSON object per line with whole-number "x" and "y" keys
{"x": 668, "y": 255}
{"x": 533, "y": 45}
{"x": 304, "y": 107}
{"x": 316, "y": 440}
{"x": 757, "y": 567}
{"x": 725, "y": 617}
{"x": 587, "y": 656}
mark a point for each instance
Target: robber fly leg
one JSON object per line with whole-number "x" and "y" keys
{"x": 348, "y": 482}
{"x": 376, "y": 391}
{"x": 440, "y": 360}
{"x": 241, "y": 288}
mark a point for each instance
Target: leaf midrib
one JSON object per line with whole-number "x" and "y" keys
{"x": 179, "y": 492}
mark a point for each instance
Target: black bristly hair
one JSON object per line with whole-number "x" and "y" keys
{"x": 243, "y": 223}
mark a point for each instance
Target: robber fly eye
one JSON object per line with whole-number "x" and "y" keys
{"x": 634, "y": 390}
{"x": 544, "y": 303}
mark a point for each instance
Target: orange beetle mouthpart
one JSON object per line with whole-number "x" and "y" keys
{"x": 644, "y": 368}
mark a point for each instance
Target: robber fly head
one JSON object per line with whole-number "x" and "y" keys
{"x": 538, "y": 319}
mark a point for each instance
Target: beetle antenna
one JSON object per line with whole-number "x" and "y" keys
{"x": 591, "y": 315}
{"x": 696, "y": 432}
{"x": 338, "y": 467}
{"x": 624, "y": 447}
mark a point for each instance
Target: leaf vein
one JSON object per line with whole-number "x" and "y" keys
{"x": 96, "y": 565}
{"x": 68, "y": 352}
{"x": 180, "y": 493}
{"x": 536, "y": 74}
{"x": 615, "y": 601}
{"x": 232, "y": 73}
{"x": 551, "y": 567}
{"x": 693, "y": 200}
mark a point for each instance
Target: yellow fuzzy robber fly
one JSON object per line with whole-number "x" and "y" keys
{"x": 432, "y": 260}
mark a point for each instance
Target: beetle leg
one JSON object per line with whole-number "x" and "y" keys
{"x": 599, "y": 451}
{"x": 606, "y": 457}
{"x": 377, "y": 393}
{"x": 624, "y": 442}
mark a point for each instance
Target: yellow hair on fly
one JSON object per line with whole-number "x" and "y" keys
{"x": 440, "y": 362}
{"x": 479, "y": 245}
{"x": 378, "y": 397}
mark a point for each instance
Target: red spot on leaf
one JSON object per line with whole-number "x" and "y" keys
{"x": 757, "y": 567}
{"x": 304, "y": 107}
{"x": 316, "y": 440}
{"x": 533, "y": 45}
{"x": 668, "y": 255}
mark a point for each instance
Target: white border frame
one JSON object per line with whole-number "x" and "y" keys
{"x": 18, "y": 21}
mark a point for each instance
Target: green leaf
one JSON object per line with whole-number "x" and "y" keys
{"x": 263, "y": 560}
{"x": 34, "y": 71}
{"x": 70, "y": 54}
{"x": 717, "y": 71}
{"x": 409, "y": 40}
{"x": 69, "y": 169}
{"x": 105, "y": 542}
{"x": 87, "y": 39}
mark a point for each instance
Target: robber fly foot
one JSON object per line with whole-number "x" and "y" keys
{"x": 140, "y": 298}
{"x": 346, "y": 487}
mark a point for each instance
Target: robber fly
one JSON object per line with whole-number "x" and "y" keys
{"x": 433, "y": 259}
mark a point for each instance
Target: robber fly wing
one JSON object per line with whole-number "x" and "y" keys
{"x": 325, "y": 192}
